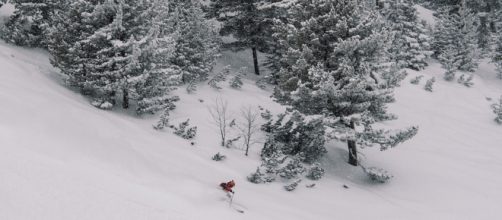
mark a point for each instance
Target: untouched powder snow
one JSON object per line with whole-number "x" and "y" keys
{"x": 61, "y": 158}
{"x": 426, "y": 15}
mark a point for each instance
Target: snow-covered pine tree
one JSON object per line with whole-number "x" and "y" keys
{"x": 429, "y": 84}
{"x": 219, "y": 77}
{"x": 113, "y": 54}
{"x": 458, "y": 31}
{"x": 197, "y": 47}
{"x": 151, "y": 82}
{"x": 236, "y": 81}
{"x": 248, "y": 21}
{"x": 466, "y": 81}
{"x": 497, "y": 56}
{"x": 450, "y": 60}
{"x": 2, "y": 2}
{"x": 114, "y": 48}
{"x": 410, "y": 45}
{"x": 331, "y": 69}
{"x": 69, "y": 50}
{"x": 27, "y": 26}
{"x": 497, "y": 109}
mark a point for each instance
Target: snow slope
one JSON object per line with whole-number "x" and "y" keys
{"x": 61, "y": 158}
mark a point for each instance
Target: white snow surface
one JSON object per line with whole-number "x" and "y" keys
{"x": 426, "y": 14}
{"x": 61, "y": 158}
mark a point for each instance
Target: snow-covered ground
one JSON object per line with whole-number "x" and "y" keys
{"x": 61, "y": 158}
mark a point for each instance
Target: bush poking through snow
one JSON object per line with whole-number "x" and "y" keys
{"x": 219, "y": 157}
{"x": 377, "y": 174}
{"x": 429, "y": 84}
{"x": 230, "y": 143}
{"x": 416, "y": 80}
{"x": 466, "y": 81}
{"x": 266, "y": 115}
{"x": 292, "y": 186}
{"x": 163, "y": 121}
{"x": 256, "y": 177}
{"x": 219, "y": 77}
{"x": 236, "y": 81}
{"x": 183, "y": 130}
{"x": 105, "y": 105}
{"x": 497, "y": 109}
{"x": 315, "y": 172}
{"x": 192, "y": 87}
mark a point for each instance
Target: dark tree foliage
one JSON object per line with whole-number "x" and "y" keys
{"x": 249, "y": 22}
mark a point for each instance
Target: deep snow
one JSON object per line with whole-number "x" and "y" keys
{"x": 61, "y": 158}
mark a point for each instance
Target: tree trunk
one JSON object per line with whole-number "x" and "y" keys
{"x": 255, "y": 61}
{"x": 352, "y": 149}
{"x": 125, "y": 99}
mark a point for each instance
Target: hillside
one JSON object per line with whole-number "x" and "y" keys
{"x": 61, "y": 158}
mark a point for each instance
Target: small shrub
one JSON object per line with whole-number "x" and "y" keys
{"x": 163, "y": 121}
{"x": 219, "y": 157}
{"x": 416, "y": 80}
{"x": 256, "y": 177}
{"x": 378, "y": 174}
{"x": 266, "y": 115}
{"x": 292, "y": 186}
{"x": 230, "y": 143}
{"x": 429, "y": 84}
{"x": 316, "y": 172}
{"x": 219, "y": 77}
{"x": 497, "y": 109}
{"x": 466, "y": 81}
{"x": 184, "y": 131}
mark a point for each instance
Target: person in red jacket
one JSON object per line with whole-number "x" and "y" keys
{"x": 227, "y": 187}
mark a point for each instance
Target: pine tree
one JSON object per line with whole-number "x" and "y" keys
{"x": 497, "y": 56}
{"x": 331, "y": 69}
{"x": 450, "y": 60}
{"x": 69, "y": 52}
{"x": 27, "y": 26}
{"x": 410, "y": 46}
{"x": 248, "y": 21}
{"x": 197, "y": 47}
{"x": 457, "y": 31}
{"x": 118, "y": 48}
{"x": 236, "y": 81}
{"x": 429, "y": 84}
{"x": 497, "y": 109}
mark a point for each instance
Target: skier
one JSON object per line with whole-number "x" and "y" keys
{"x": 227, "y": 187}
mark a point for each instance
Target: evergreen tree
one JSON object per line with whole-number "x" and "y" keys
{"x": 410, "y": 46}
{"x": 450, "y": 61}
{"x": 497, "y": 56}
{"x": 497, "y": 109}
{"x": 331, "y": 69}
{"x": 429, "y": 84}
{"x": 248, "y": 21}
{"x": 27, "y": 26}
{"x": 457, "y": 31}
{"x": 118, "y": 48}
{"x": 197, "y": 47}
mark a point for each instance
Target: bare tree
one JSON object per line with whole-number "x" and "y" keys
{"x": 221, "y": 117}
{"x": 249, "y": 126}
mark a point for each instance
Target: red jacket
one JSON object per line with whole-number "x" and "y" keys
{"x": 228, "y": 186}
